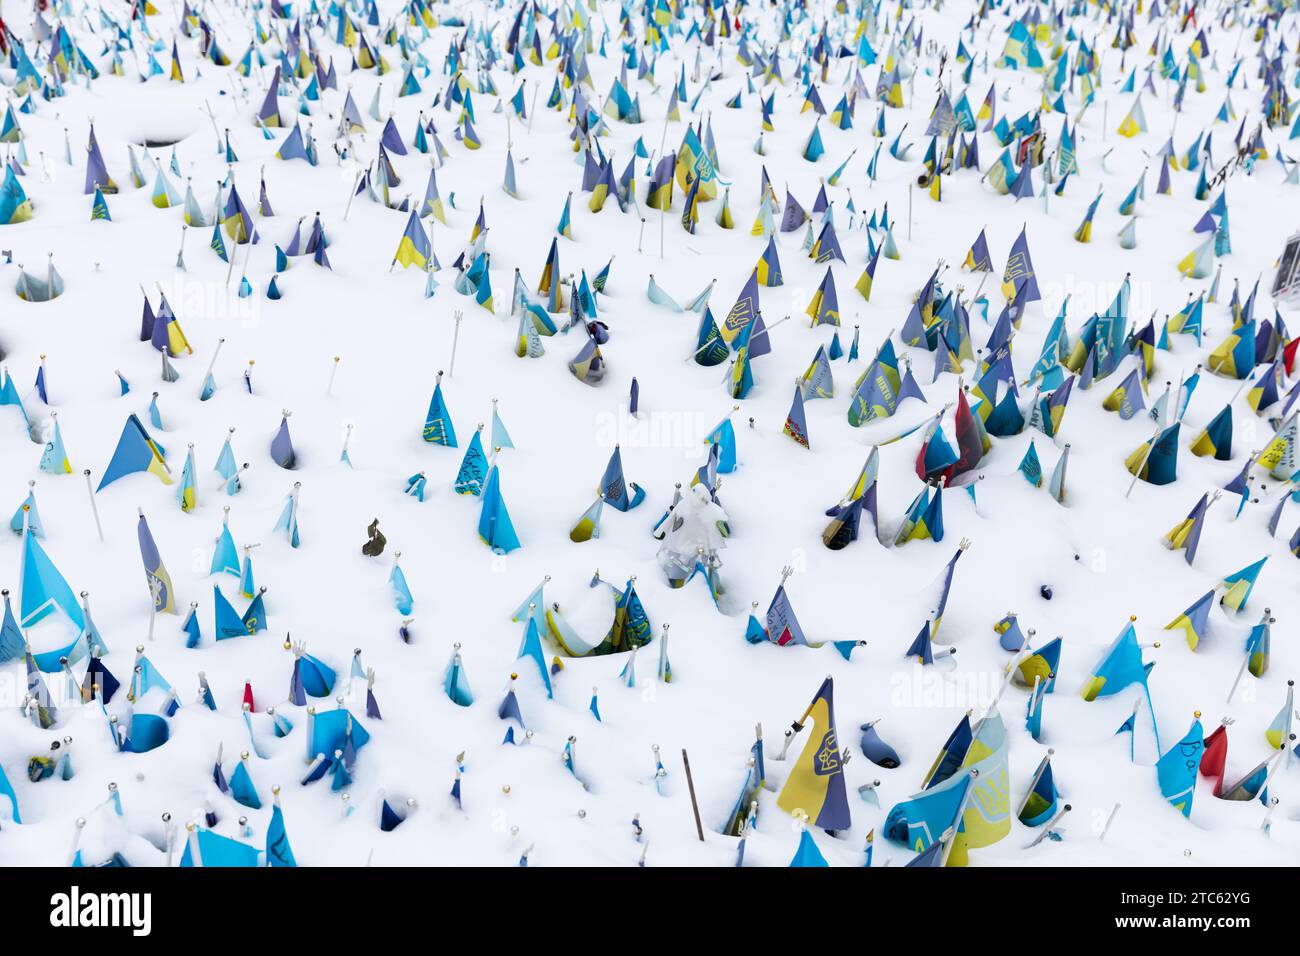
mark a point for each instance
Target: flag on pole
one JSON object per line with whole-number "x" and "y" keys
{"x": 816, "y": 781}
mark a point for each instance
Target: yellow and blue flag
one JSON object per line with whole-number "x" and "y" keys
{"x": 136, "y": 451}
{"x": 1234, "y": 357}
{"x": 187, "y": 493}
{"x": 160, "y": 582}
{"x": 54, "y": 460}
{"x": 1156, "y": 460}
{"x": 413, "y": 249}
{"x": 922, "y": 821}
{"x": 1216, "y": 437}
{"x": 1237, "y": 586}
{"x": 1194, "y": 621}
{"x": 816, "y": 781}
{"x": 767, "y": 270}
{"x": 1040, "y": 802}
{"x": 1282, "y": 454}
{"x": 1187, "y": 533}
{"x": 987, "y": 816}
{"x": 743, "y": 312}
{"x": 1042, "y": 664}
{"x": 1119, "y": 667}
{"x": 98, "y": 208}
{"x": 1019, "y": 281}
{"x": 14, "y": 204}
{"x": 1279, "y": 732}
{"x": 1259, "y": 646}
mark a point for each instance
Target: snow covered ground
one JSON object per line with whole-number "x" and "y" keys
{"x": 1100, "y": 551}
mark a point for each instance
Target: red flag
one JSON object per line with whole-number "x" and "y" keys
{"x": 1215, "y": 757}
{"x": 968, "y": 440}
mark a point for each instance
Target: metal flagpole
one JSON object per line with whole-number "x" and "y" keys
{"x": 94, "y": 509}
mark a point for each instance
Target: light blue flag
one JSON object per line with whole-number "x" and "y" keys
{"x": 147, "y": 677}
{"x": 27, "y": 512}
{"x": 7, "y": 790}
{"x": 807, "y": 855}
{"x": 205, "y": 848}
{"x": 247, "y": 586}
{"x": 1056, "y": 484}
{"x": 1034, "y": 712}
{"x": 12, "y": 644}
{"x": 531, "y": 647}
{"x": 500, "y": 437}
{"x": 225, "y": 556}
{"x": 533, "y": 606}
{"x": 288, "y": 522}
{"x": 724, "y": 436}
{"x": 401, "y": 593}
{"x": 1176, "y": 770}
{"x": 55, "y": 459}
{"x": 494, "y": 524}
{"x": 42, "y": 588}
{"x": 228, "y": 469}
{"x": 9, "y": 396}
{"x": 1120, "y": 667}
{"x": 658, "y": 296}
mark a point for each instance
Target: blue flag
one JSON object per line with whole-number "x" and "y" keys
{"x": 7, "y": 790}
{"x": 531, "y": 648}
{"x": 921, "y": 821}
{"x": 227, "y": 621}
{"x": 282, "y": 452}
{"x": 1176, "y": 770}
{"x": 613, "y": 487}
{"x": 437, "y": 423}
{"x": 205, "y": 848}
{"x": 42, "y": 588}
{"x": 136, "y": 451}
{"x": 807, "y": 854}
{"x": 494, "y": 525}
{"x": 278, "y": 851}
